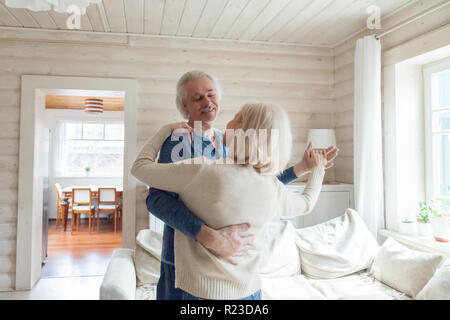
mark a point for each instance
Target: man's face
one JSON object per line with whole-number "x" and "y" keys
{"x": 201, "y": 102}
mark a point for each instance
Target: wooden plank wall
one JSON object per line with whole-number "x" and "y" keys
{"x": 344, "y": 72}
{"x": 300, "y": 78}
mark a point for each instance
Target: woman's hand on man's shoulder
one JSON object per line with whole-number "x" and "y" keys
{"x": 181, "y": 127}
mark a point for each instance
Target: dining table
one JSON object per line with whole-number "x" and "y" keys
{"x": 67, "y": 194}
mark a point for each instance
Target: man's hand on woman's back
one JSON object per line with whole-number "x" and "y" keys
{"x": 226, "y": 243}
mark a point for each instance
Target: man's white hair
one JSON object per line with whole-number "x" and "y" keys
{"x": 181, "y": 88}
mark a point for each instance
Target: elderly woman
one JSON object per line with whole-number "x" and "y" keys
{"x": 240, "y": 188}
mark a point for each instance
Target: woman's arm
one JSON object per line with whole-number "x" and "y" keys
{"x": 167, "y": 206}
{"x": 293, "y": 204}
{"x": 171, "y": 177}
{"x": 304, "y": 166}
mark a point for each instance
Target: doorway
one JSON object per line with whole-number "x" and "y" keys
{"x": 31, "y": 166}
{"x": 86, "y": 150}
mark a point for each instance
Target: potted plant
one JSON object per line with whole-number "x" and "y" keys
{"x": 87, "y": 170}
{"x": 426, "y": 210}
{"x": 440, "y": 220}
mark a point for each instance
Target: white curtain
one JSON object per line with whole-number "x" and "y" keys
{"x": 367, "y": 136}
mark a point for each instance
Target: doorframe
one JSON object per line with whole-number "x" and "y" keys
{"x": 29, "y": 215}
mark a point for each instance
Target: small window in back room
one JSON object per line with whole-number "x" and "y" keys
{"x": 97, "y": 145}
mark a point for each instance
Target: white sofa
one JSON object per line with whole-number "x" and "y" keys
{"x": 338, "y": 259}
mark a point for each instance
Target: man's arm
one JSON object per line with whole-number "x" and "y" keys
{"x": 225, "y": 243}
{"x": 287, "y": 176}
{"x": 167, "y": 207}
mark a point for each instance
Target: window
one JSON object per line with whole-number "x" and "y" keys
{"x": 97, "y": 145}
{"x": 437, "y": 111}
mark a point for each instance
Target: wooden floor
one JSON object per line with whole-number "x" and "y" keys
{"x": 80, "y": 253}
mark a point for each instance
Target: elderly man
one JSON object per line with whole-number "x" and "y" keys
{"x": 198, "y": 97}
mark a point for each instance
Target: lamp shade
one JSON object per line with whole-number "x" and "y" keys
{"x": 321, "y": 138}
{"x": 93, "y": 105}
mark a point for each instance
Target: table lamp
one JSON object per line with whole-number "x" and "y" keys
{"x": 321, "y": 138}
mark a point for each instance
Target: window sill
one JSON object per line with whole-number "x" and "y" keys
{"x": 419, "y": 242}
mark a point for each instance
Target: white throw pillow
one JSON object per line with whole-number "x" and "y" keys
{"x": 147, "y": 256}
{"x": 438, "y": 288}
{"x": 404, "y": 269}
{"x": 337, "y": 247}
{"x": 279, "y": 253}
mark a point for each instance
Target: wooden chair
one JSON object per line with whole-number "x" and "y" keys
{"x": 82, "y": 203}
{"x": 119, "y": 208}
{"x": 107, "y": 202}
{"x": 59, "y": 216}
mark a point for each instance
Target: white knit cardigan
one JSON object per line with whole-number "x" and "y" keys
{"x": 221, "y": 195}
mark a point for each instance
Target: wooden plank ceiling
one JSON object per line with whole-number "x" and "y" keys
{"x": 312, "y": 22}
{"x": 53, "y": 101}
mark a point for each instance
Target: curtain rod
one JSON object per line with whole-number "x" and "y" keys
{"x": 416, "y": 17}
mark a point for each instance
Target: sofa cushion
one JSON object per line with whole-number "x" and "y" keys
{"x": 337, "y": 247}
{"x": 147, "y": 256}
{"x": 404, "y": 269}
{"x": 146, "y": 291}
{"x": 438, "y": 288}
{"x": 280, "y": 256}
{"x": 289, "y": 288}
{"x": 356, "y": 286}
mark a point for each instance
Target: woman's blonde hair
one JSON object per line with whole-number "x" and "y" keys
{"x": 268, "y": 137}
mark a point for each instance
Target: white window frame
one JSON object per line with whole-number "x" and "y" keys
{"x": 59, "y": 153}
{"x": 428, "y": 71}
